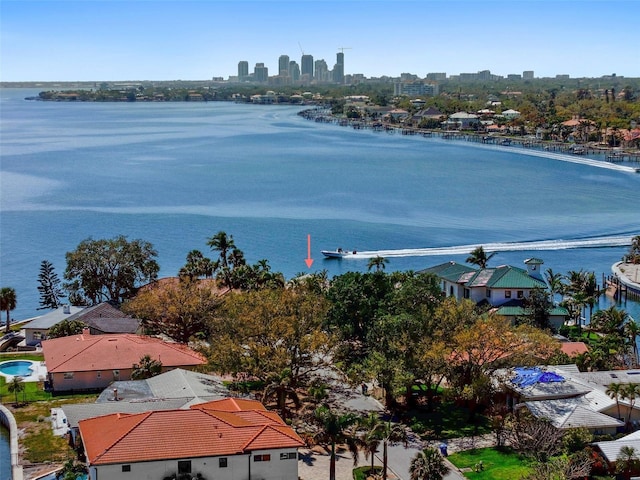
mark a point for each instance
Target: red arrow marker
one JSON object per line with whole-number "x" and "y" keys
{"x": 309, "y": 260}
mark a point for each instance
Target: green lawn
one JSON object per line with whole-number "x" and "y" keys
{"x": 33, "y": 391}
{"x": 36, "y": 357}
{"x": 361, "y": 473}
{"x": 447, "y": 420}
{"x": 497, "y": 464}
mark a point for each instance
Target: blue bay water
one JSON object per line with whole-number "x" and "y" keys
{"x": 175, "y": 174}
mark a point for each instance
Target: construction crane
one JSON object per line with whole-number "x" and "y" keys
{"x": 301, "y": 50}
{"x": 342, "y": 49}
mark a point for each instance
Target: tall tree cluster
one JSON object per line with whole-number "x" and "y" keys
{"x": 109, "y": 269}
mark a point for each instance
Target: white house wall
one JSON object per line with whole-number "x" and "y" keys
{"x": 498, "y": 296}
{"x": 239, "y": 467}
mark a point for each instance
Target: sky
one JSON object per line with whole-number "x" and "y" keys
{"x": 89, "y": 40}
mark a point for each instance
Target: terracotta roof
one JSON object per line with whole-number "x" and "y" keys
{"x": 201, "y": 431}
{"x": 81, "y": 353}
{"x": 573, "y": 348}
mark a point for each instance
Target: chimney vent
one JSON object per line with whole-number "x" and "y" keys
{"x": 86, "y": 331}
{"x": 66, "y": 309}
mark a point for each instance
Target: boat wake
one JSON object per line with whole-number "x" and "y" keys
{"x": 595, "y": 242}
{"x": 559, "y": 156}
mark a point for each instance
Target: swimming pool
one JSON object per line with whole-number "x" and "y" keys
{"x": 17, "y": 368}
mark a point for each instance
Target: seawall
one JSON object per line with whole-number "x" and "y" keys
{"x": 6, "y": 419}
{"x": 628, "y": 276}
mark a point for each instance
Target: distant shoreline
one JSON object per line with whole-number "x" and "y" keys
{"x": 461, "y": 139}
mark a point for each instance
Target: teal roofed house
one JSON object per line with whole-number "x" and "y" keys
{"x": 496, "y": 285}
{"x": 504, "y": 287}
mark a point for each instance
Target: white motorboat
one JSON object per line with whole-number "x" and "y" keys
{"x": 338, "y": 253}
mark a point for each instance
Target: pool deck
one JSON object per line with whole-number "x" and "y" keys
{"x": 39, "y": 371}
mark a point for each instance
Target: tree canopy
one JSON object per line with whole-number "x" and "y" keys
{"x": 265, "y": 332}
{"x": 66, "y": 328}
{"x": 109, "y": 269}
{"x": 178, "y": 308}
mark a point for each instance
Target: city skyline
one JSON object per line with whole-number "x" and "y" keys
{"x": 199, "y": 39}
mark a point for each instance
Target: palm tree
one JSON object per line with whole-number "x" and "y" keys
{"x": 626, "y": 461}
{"x": 15, "y": 386}
{"x": 8, "y": 302}
{"x": 554, "y": 280}
{"x": 479, "y": 257}
{"x": 147, "y": 368}
{"x": 197, "y": 266}
{"x": 631, "y": 392}
{"x": 70, "y": 470}
{"x": 281, "y": 387}
{"x": 223, "y": 244}
{"x": 336, "y": 428}
{"x": 633, "y": 330}
{"x": 378, "y": 262}
{"x": 370, "y": 437}
{"x": 591, "y": 291}
{"x": 428, "y": 465}
{"x": 615, "y": 391}
{"x": 392, "y": 433}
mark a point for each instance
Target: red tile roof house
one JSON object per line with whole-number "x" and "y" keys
{"x": 91, "y": 362}
{"x": 222, "y": 439}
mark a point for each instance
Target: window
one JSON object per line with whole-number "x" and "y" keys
{"x": 68, "y": 375}
{"x": 262, "y": 458}
{"x": 466, "y": 293}
{"x": 126, "y": 468}
{"x": 37, "y": 335}
{"x": 488, "y": 293}
{"x": 451, "y": 291}
{"x": 184, "y": 466}
{"x": 520, "y": 294}
{"x": 222, "y": 462}
{"x": 289, "y": 456}
{"x": 507, "y": 294}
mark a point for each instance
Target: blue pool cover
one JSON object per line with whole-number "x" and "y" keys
{"x": 526, "y": 376}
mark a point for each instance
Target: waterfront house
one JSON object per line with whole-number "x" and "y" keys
{"x": 461, "y": 121}
{"x": 510, "y": 114}
{"x": 224, "y": 439}
{"x": 102, "y": 318}
{"x": 495, "y": 286}
{"x": 91, "y": 362}
{"x": 37, "y": 329}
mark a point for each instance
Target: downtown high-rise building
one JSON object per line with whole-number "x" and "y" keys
{"x": 321, "y": 73}
{"x": 260, "y": 73}
{"x": 243, "y": 70}
{"x": 527, "y": 75}
{"x": 338, "y": 69}
{"x": 294, "y": 71}
{"x": 283, "y": 65}
{"x": 306, "y": 64}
